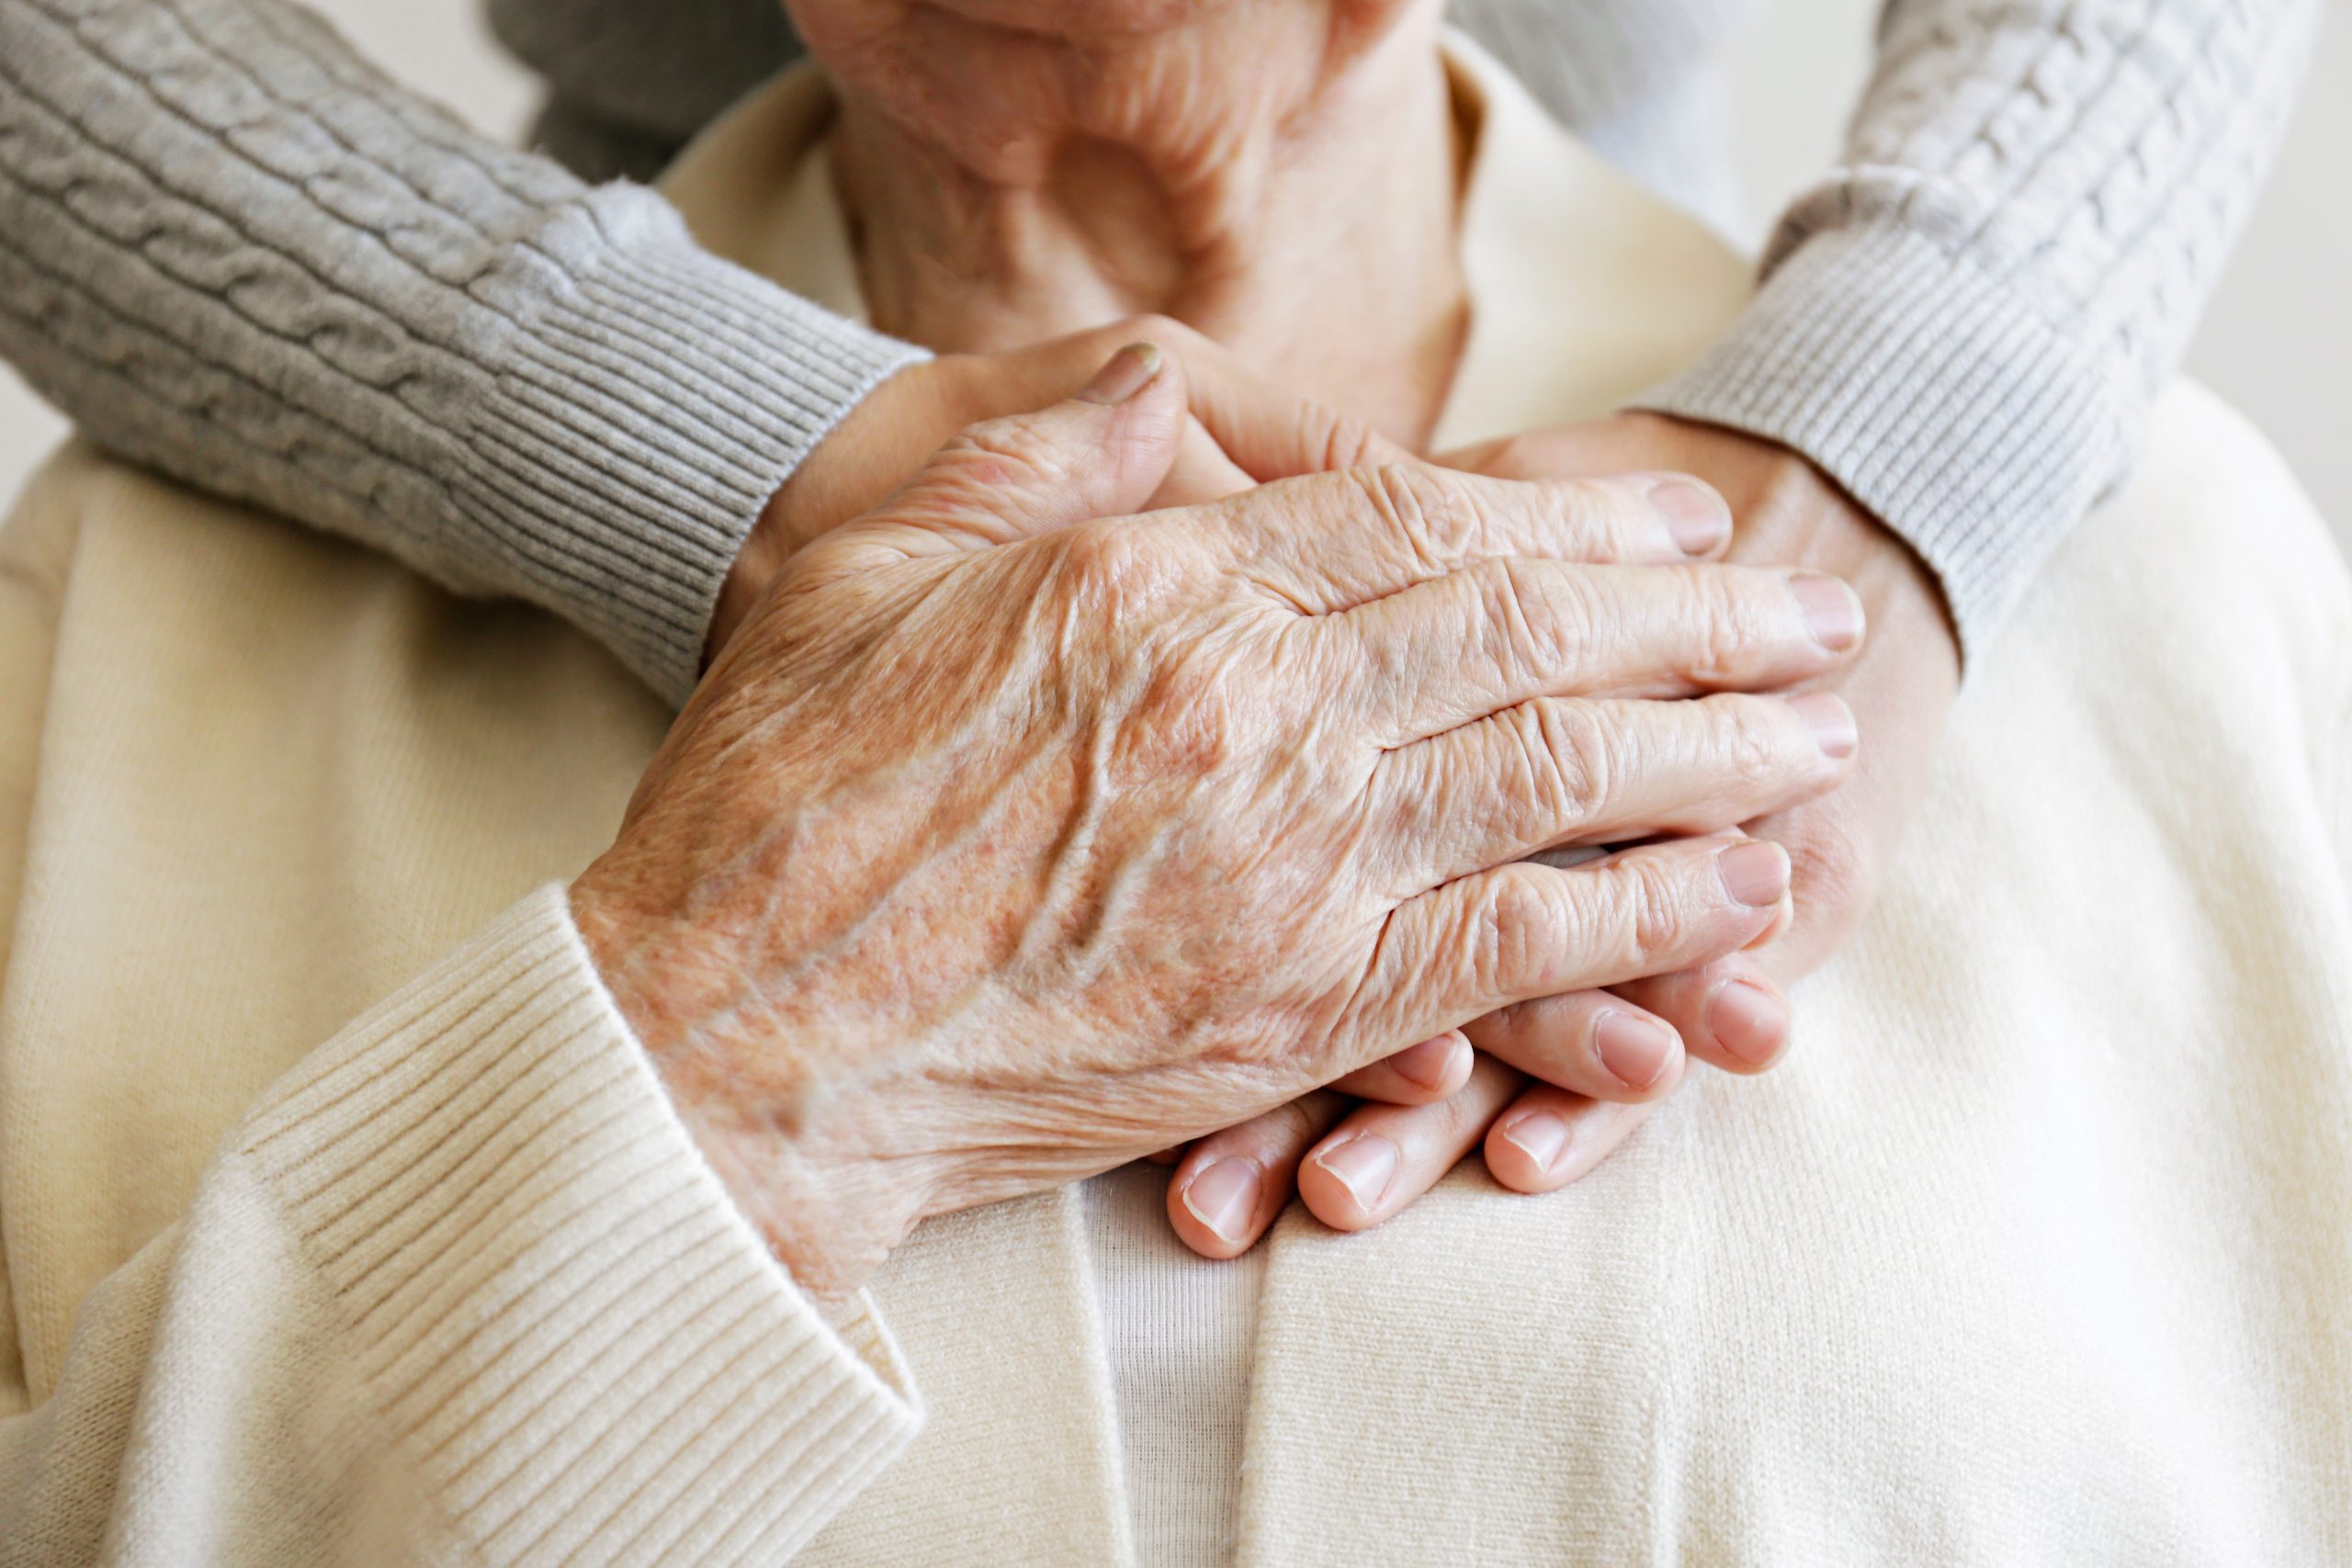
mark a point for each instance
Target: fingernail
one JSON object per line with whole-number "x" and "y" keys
{"x": 1831, "y": 612}
{"x": 1755, "y": 874}
{"x": 1222, "y": 1197}
{"x": 1831, "y": 721}
{"x": 1364, "y": 1165}
{"x": 1129, "y": 371}
{"x": 1540, "y": 1136}
{"x": 1748, "y": 1021}
{"x": 1429, "y": 1064}
{"x": 1694, "y": 514}
{"x": 1634, "y": 1050}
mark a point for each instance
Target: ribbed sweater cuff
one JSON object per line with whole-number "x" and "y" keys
{"x": 1935, "y": 393}
{"x": 566, "y": 1327}
{"x": 649, "y": 400}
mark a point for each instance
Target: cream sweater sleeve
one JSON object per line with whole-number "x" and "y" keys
{"x": 460, "y": 1288}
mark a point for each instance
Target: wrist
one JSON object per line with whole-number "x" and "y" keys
{"x": 826, "y": 1212}
{"x": 873, "y": 448}
{"x": 1791, "y": 511}
{"x": 765, "y": 549}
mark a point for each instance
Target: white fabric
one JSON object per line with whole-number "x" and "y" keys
{"x": 1179, "y": 1331}
{"x": 2035, "y": 1251}
{"x": 1556, "y": 254}
{"x": 302, "y": 1264}
{"x": 1548, "y": 241}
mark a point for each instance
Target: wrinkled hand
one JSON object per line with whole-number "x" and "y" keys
{"x": 1238, "y": 430}
{"x": 1005, "y": 844}
{"x": 1900, "y": 688}
{"x": 1241, "y": 431}
{"x": 1356, "y": 1165}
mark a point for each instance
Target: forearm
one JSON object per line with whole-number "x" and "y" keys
{"x": 230, "y": 250}
{"x": 1966, "y": 322}
{"x": 461, "y": 1276}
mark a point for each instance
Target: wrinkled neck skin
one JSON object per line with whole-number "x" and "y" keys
{"x": 1281, "y": 174}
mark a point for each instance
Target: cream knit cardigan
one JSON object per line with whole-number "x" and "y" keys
{"x": 2036, "y": 1252}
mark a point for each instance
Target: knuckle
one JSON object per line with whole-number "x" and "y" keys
{"x": 1570, "y": 761}
{"x": 1435, "y": 515}
{"x": 1009, "y": 449}
{"x": 1107, "y": 574}
{"x": 1502, "y": 630}
{"x": 1343, "y": 441}
{"x": 1099, "y": 555}
{"x": 1503, "y": 590}
{"x": 1480, "y": 939}
{"x": 1587, "y": 519}
{"x": 1753, "y": 740}
{"x": 1651, "y": 914}
{"x": 1540, "y": 617}
{"x": 1720, "y": 602}
{"x": 1519, "y": 932}
{"x": 1392, "y": 498}
{"x": 1509, "y": 1021}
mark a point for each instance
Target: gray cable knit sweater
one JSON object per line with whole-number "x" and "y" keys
{"x": 230, "y": 249}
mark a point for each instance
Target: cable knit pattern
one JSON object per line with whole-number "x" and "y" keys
{"x": 232, "y": 251}
{"x": 1967, "y": 321}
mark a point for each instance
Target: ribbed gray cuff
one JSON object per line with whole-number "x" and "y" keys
{"x": 649, "y": 399}
{"x": 1938, "y": 394}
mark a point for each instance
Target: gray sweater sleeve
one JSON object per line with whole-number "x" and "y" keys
{"x": 230, "y": 250}
{"x": 1966, "y": 322}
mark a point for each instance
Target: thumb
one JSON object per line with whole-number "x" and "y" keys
{"x": 1100, "y": 452}
{"x": 1271, "y": 433}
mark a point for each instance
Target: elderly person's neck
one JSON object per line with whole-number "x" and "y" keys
{"x": 1280, "y": 174}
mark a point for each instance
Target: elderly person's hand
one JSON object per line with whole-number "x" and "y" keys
{"x": 1355, "y": 1166}
{"x": 1242, "y": 431}
{"x": 1900, "y": 690}
{"x": 1901, "y": 686}
{"x": 1005, "y": 844}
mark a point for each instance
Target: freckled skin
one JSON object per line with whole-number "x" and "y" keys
{"x": 975, "y": 867}
{"x": 1277, "y": 174}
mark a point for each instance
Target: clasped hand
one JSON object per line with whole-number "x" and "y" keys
{"x": 1018, "y": 834}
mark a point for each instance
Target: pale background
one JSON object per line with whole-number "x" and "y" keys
{"x": 2277, "y": 341}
